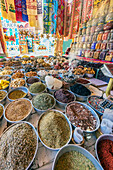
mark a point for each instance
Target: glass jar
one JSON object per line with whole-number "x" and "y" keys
{"x": 83, "y": 38}
{"x": 95, "y": 36}
{"x": 80, "y": 31}
{"x": 98, "y": 45}
{"x": 105, "y": 35}
{"x": 91, "y": 53}
{"x": 99, "y": 37}
{"x": 108, "y": 26}
{"x": 110, "y": 45}
{"x": 96, "y": 54}
{"x": 90, "y": 38}
{"x": 88, "y": 45}
{"x": 93, "y": 45}
{"x": 93, "y": 29}
{"x": 109, "y": 56}
{"x": 88, "y": 30}
{"x": 99, "y": 28}
{"x": 85, "y": 45}
{"x": 87, "y": 38}
{"x": 95, "y": 22}
{"x": 104, "y": 45}
{"x": 109, "y": 17}
{"x": 84, "y": 30}
{"x": 103, "y": 54}
{"x": 111, "y": 35}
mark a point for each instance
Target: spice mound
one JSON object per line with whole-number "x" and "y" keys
{"x": 31, "y": 73}
{"x": 18, "y": 109}
{"x": 53, "y": 83}
{"x": 54, "y": 129}
{"x": 17, "y": 75}
{"x": 105, "y": 153}
{"x": 1, "y": 111}
{"x": 16, "y": 94}
{"x": 37, "y": 87}
{"x": 17, "y": 147}
{"x": 74, "y": 160}
{"x": 32, "y": 80}
{"x": 2, "y": 95}
{"x": 64, "y": 96}
{"x": 82, "y": 81}
{"x": 17, "y": 82}
{"x": 80, "y": 90}
{"x": 43, "y": 101}
{"x": 4, "y": 77}
{"x": 6, "y": 72}
{"x": 80, "y": 116}
{"x": 4, "y": 84}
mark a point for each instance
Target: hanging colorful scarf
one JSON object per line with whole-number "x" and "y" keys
{"x": 67, "y": 17}
{"x": 4, "y": 8}
{"x": 60, "y": 19}
{"x": 39, "y": 15}
{"x": 54, "y": 16}
{"x": 24, "y": 11}
{"x": 31, "y": 7}
{"x": 74, "y": 26}
{"x": 2, "y": 39}
{"x": 18, "y": 9}
{"x": 11, "y": 10}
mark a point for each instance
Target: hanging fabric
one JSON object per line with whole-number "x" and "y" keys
{"x": 74, "y": 26}
{"x": 31, "y": 7}
{"x": 60, "y": 19}
{"x": 2, "y": 39}
{"x": 39, "y": 15}
{"x": 24, "y": 10}
{"x": 4, "y": 9}
{"x": 11, "y": 10}
{"x": 18, "y": 10}
{"x": 67, "y": 16}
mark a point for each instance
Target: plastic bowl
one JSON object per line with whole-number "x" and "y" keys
{"x": 3, "y": 111}
{"x": 93, "y": 113}
{"x": 102, "y": 137}
{"x": 45, "y": 127}
{"x": 36, "y": 136}
{"x": 24, "y": 89}
{"x": 72, "y": 147}
{"x": 41, "y": 111}
{"x": 63, "y": 105}
{"x": 23, "y": 108}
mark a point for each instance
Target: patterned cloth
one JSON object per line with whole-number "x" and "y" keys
{"x": 4, "y": 9}
{"x": 60, "y": 20}
{"x": 18, "y": 10}
{"x": 24, "y": 11}
{"x": 11, "y": 10}
{"x": 31, "y": 7}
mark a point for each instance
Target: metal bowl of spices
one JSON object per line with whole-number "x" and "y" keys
{"x": 74, "y": 156}
{"x": 1, "y": 110}
{"x": 61, "y": 95}
{"x": 54, "y": 129}
{"x": 18, "y": 110}
{"x": 83, "y": 116}
{"x": 37, "y": 88}
{"x": 43, "y": 102}
{"x": 81, "y": 92}
{"x": 17, "y": 93}
{"x": 24, "y": 160}
{"x": 3, "y": 96}
{"x": 103, "y": 149}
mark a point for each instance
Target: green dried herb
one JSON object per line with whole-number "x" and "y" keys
{"x": 37, "y": 87}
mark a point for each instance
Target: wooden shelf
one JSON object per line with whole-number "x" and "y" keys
{"x": 93, "y": 60}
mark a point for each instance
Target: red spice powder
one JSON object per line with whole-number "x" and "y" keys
{"x": 105, "y": 154}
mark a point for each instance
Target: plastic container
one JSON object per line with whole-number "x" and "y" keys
{"x": 110, "y": 45}
{"x": 103, "y": 54}
{"x": 108, "y": 26}
{"x": 111, "y": 35}
{"x": 98, "y": 45}
{"x": 105, "y": 35}
{"x": 96, "y": 54}
{"x": 104, "y": 45}
{"x": 99, "y": 37}
{"x": 93, "y": 46}
{"x": 109, "y": 56}
{"x": 99, "y": 28}
{"x": 92, "y": 53}
{"x": 72, "y": 147}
